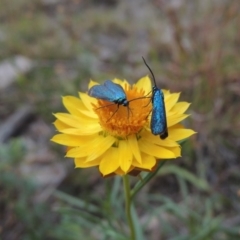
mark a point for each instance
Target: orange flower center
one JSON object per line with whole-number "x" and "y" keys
{"x": 121, "y": 121}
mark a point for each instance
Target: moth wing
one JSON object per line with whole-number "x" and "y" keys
{"x": 101, "y": 92}
{"x": 117, "y": 89}
{"x": 158, "y": 120}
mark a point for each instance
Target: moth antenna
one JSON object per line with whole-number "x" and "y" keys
{"x": 150, "y": 71}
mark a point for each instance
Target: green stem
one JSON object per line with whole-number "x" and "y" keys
{"x": 143, "y": 182}
{"x": 128, "y": 206}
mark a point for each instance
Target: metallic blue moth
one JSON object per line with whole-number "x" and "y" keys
{"x": 158, "y": 122}
{"x": 109, "y": 91}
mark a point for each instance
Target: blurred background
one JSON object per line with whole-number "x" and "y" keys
{"x": 51, "y": 48}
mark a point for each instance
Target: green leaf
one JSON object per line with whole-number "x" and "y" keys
{"x": 198, "y": 182}
{"x": 77, "y": 202}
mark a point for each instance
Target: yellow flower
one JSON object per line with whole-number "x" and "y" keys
{"x": 119, "y": 142}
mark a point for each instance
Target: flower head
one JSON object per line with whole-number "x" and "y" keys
{"x": 117, "y": 138}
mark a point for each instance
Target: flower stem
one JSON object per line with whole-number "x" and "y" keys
{"x": 144, "y": 181}
{"x": 128, "y": 206}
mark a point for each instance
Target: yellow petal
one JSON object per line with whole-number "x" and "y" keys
{"x": 172, "y": 120}
{"x": 175, "y": 150}
{"x": 166, "y": 93}
{"x": 76, "y": 107}
{"x": 180, "y": 107}
{"x": 99, "y": 146}
{"x": 133, "y": 144}
{"x": 157, "y": 140}
{"x": 92, "y": 83}
{"x": 71, "y": 140}
{"x": 81, "y": 163}
{"x": 120, "y": 82}
{"x": 69, "y": 119}
{"x": 85, "y": 130}
{"x": 92, "y": 149}
{"x": 72, "y": 104}
{"x": 109, "y": 162}
{"x": 180, "y": 134}
{"x": 89, "y": 113}
{"x": 88, "y": 101}
{"x": 78, "y": 152}
{"x": 59, "y": 125}
{"x": 154, "y": 150}
{"x": 148, "y": 162}
{"x": 144, "y": 83}
{"x": 171, "y": 100}
{"x": 125, "y": 156}
{"x": 177, "y": 126}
